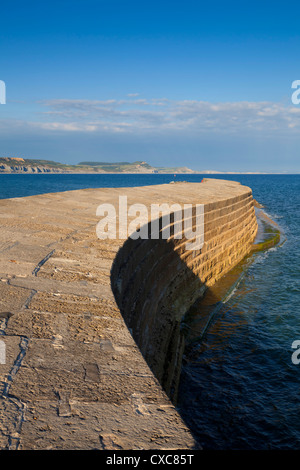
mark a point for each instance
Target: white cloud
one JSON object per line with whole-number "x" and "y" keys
{"x": 161, "y": 115}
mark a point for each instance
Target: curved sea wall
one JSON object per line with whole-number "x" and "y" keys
{"x": 92, "y": 328}
{"x": 156, "y": 281}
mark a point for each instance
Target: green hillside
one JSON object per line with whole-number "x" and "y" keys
{"x": 30, "y": 165}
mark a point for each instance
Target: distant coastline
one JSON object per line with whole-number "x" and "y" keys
{"x": 36, "y": 166}
{"x": 30, "y": 166}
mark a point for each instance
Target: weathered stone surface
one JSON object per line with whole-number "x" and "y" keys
{"x": 74, "y": 377}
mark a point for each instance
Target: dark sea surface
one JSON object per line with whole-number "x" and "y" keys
{"x": 239, "y": 387}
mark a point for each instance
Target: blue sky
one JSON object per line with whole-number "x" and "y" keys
{"x": 201, "y": 84}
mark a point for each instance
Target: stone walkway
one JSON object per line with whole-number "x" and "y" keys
{"x": 74, "y": 378}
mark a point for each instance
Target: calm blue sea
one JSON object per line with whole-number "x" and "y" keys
{"x": 239, "y": 389}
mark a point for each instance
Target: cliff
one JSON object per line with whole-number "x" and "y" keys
{"x": 21, "y": 165}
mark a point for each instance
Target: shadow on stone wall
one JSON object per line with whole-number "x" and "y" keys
{"x": 154, "y": 288}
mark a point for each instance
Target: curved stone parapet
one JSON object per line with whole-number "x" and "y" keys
{"x": 91, "y": 327}
{"x": 156, "y": 281}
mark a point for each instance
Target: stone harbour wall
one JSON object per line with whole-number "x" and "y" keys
{"x": 174, "y": 277}
{"x": 92, "y": 327}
